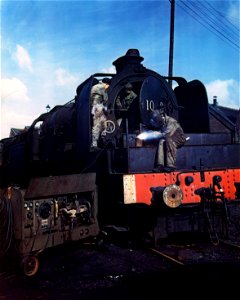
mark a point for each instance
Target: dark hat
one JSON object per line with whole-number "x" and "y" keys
{"x": 106, "y": 80}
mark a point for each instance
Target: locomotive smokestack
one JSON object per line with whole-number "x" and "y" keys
{"x": 131, "y": 59}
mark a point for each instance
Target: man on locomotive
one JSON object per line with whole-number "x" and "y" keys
{"x": 171, "y": 137}
{"x": 99, "y": 98}
{"x": 124, "y": 101}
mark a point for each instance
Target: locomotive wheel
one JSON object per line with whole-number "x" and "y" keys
{"x": 30, "y": 265}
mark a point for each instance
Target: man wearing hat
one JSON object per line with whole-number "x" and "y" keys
{"x": 124, "y": 100}
{"x": 99, "y": 98}
{"x": 172, "y": 137}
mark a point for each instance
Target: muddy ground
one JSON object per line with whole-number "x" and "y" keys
{"x": 126, "y": 271}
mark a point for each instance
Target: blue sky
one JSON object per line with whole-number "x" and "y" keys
{"x": 49, "y": 47}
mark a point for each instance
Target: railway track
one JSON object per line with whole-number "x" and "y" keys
{"x": 166, "y": 256}
{"x": 230, "y": 244}
{"x": 194, "y": 253}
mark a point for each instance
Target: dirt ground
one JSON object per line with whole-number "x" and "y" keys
{"x": 121, "y": 271}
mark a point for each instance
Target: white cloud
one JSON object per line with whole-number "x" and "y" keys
{"x": 22, "y": 102}
{"x": 227, "y": 92}
{"x": 13, "y": 90}
{"x": 14, "y": 96}
{"x": 63, "y": 78}
{"x": 23, "y": 59}
{"x": 111, "y": 70}
{"x": 12, "y": 119}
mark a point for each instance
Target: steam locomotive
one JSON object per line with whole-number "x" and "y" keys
{"x": 55, "y": 189}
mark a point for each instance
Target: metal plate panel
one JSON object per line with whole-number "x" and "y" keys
{"x": 60, "y": 185}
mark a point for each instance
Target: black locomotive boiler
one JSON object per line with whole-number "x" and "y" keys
{"x": 54, "y": 188}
